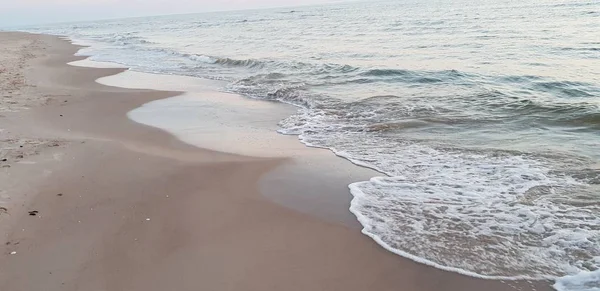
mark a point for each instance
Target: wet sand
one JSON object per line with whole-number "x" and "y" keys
{"x": 124, "y": 206}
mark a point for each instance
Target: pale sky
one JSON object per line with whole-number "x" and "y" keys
{"x": 22, "y": 12}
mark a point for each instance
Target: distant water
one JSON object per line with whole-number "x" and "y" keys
{"x": 484, "y": 115}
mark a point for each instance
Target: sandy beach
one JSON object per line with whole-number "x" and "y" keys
{"x": 94, "y": 201}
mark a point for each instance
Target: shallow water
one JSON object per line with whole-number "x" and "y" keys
{"x": 485, "y": 116}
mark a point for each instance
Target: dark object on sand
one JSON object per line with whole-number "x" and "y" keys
{"x": 33, "y": 213}
{"x": 59, "y": 194}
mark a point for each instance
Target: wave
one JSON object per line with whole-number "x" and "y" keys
{"x": 568, "y": 89}
{"x": 519, "y": 79}
{"x": 573, "y": 113}
{"x": 291, "y": 95}
{"x": 575, "y": 4}
{"x": 127, "y": 40}
{"x": 591, "y": 119}
{"x": 123, "y": 39}
{"x": 591, "y": 49}
{"x": 394, "y": 126}
{"x": 458, "y": 209}
{"x": 240, "y": 63}
{"x": 290, "y": 81}
{"x": 417, "y": 76}
{"x": 326, "y": 74}
{"x": 386, "y": 72}
{"x": 201, "y": 58}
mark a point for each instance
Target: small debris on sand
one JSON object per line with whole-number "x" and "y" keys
{"x": 33, "y": 213}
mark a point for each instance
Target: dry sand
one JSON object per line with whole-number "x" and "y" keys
{"x": 122, "y": 206}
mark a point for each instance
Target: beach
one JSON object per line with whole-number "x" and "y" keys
{"x": 95, "y": 201}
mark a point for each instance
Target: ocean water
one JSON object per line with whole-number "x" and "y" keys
{"x": 483, "y": 117}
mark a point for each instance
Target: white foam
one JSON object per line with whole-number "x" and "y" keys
{"x": 583, "y": 281}
{"x": 477, "y": 214}
{"x": 203, "y": 58}
{"x": 94, "y": 64}
{"x": 80, "y": 42}
{"x": 484, "y": 214}
{"x": 364, "y": 220}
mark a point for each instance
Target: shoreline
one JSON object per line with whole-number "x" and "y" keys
{"x": 147, "y": 216}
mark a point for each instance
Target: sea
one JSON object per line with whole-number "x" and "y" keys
{"x": 483, "y": 117}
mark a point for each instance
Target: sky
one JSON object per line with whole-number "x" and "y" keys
{"x": 24, "y": 12}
